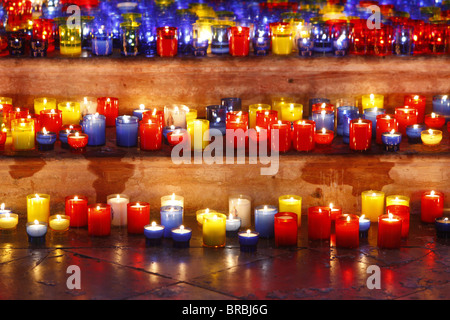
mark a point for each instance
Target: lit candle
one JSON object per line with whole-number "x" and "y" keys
{"x": 38, "y": 207}
{"x": 109, "y": 108}
{"x": 319, "y": 223}
{"x": 419, "y": 103}
{"x": 303, "y": 136}
{"x": 431, "y": 137}
{"x": 8, "y": 221}
{"x": 94, "y": 125}
{"x": 432, "y": 206}
{"x": 88, "y": 106}
{"x": 77, "y": 141}
{"x": 264, "y": 220}
{"x": 341, "y": 121}
{"x": 156, "y": 116}
{"x": 77, "y": 209}
{"x": 282, "y": 34}
{"x": 434, "y": 121}
{"x": 41, "y": 104}
{"x": 127, "y": 130}
{"x": 23, "y": 134}
{"x": 442, "y": 225}
{"x": 51, "y": 120}
{"x": 364, "y": 226}
{"x": 291, "y": 203}
{"x": 248, "y": 240}
{"x": 391, "y": 140}
{"x": 403, "y": 212}
{"x": 372, "y": 204}
{"x": 385, "y": 123}
{"x": 252, "y": 109}
{"x": 167, "y": 41}
{"x": 323, "y": 137}
{"x": 360, "y": 137}
{"x": 214, "y": 230}
{"x": 36, "y": 231}
{"x": 323, "y": 118}
{"x": 284, "y": 141}
{"x": 118, "y": 203}
{"x": 372, "y": 101}
{"x": 232, "y": 224}
{"x": 414, "y": 133}
{"x": 239, "y": 41}
{"x": 199, "y": 133}
{"x": 46, "y": 140}
{"x": 199, "y": 214}
{"x": 397, "y": 199}
{"x": 347, "y": 231}
{"x": 99, "y": 219}
{"x": 285, "y": 229}
{"x": 291, "y": 111}
{"x": 172, "y": 200}
{"x": 441, "y": 105}
{"x": 335, "y": 211}
{"x": 181, "y": 237}
{"x": 372, "y": 114}
{"x": 171, "y": 217}
{"x": 71, "y": 112}
{"x": 264, "y": 118}
{"x": 153, "y": 234}
{"x": 177, "y": 136}
{"x": 150, "y": 135}
{"x": 138, "y": 216}
{"x": 191, "y": 114}
{"x": 389, "y": 231}
{"x": 167, "y": 129}
{"x": 240, "y": 206}
{"x": 405, "y": 116}
{"x": 138, "y": 112}
{"x": 175, "y": 115}
{"x": 59, "y": 223}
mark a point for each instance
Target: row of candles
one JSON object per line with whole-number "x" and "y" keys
{"x": 281, "y": 223}
{"x": 193, "y": 31}
{"x": 177, "y": 123}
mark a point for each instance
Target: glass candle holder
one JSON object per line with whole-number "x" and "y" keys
{"x": 181, "y": 237}
{"x": 442, "y": 225}
{"x": 214, "y": 230}
{"x": 441, "y": 105}
{"x": 167, "y": 41}
{"x": 16, "y": 43}
{"x": 434, "y": 121}
{"x": 150, "y": 135}
{"x": 178, "y": 136}
{"x": 372, "y": 101}
{"x": 364, "y": 226}
{"x": 417, "y": 102}
{"x": 403, "y": 40}
{"x": 8, "y": 221}
{"x": 323, "y": 137}
{"x": 371, "y": 114}
{"x": 315, "y": 101}
{"x": 385, "y": 123}
{"x": 23, "y": 134}
{"x": 199, "y": 214}
{"x": 285, "y": 229}
{"x": 347, "y": 231}
{"x": 99, "y": 219}
{"x": 59, "y": 223}
{"x": 231, "y": 104}
{"x": 291, "y": 111}
{"x": 77, "y": 208}
{"x": 431, "y": 137}
{"x": 264, "y": 220}
{"x": 319, "y": 223}
{"x": 153, "y": 234}
{"x": 109, "y": 107}
{"x": 233, "y": 224}
{"x": 148, "y": 37}
{"x": 438, "y": 39}
{"x": 102, "y": 38}
{"x": 291, "y": 203}
{"x": 127, "y": 128}
{"x": 70, "y": 39}
{"x": 264, "y": 118}
{"x": 391, "y": 140}
{"x": 138, "y": 216}
{"x": 46, "y": 140}
{"x": 380, "y": 40}
{"x": 185, "y": 31}
{"x": 171, "y": 217}
{"x": 261, "y": 41}
{"x": 360, "y": 137}
{"x": 199, "y": 134}
{"x": 323, "y": 119}
{"x": 44, "y": 104}
{"x": 94, "y": 125}
{"x": 305, "y": 41}
{"x": 280, "y": 136}
{"x": 200, "y": 42}
{"x": 282, "y": 38}
{"x": 239, "y": 41}
{"x": 71, "y": 112}
{"x": 421, "y": 33}
{"x": 240, "y": 206}
{"x": 253, "y": 108}
{"x": 118, "y": 204}
{"x": 130, "y": 38}
{"x": 341, "y": 112}
{"x": 38, "y": 207}
{"x": 405, "y": 117}
{"x": 45, "y": 30}
{"x": 38, "y": 48}
{"x": 414, "y": 133}
{"x": 248, "y": 240}
{"x": 175, "y": 115}
{"x": 77, "y": 142}
{"x": 216, "y": 115}
{"x": 339, "y": 35}
{"x": 36, "y": 231}
{"x": 432, "y": 206}
{"x": 359, "y": 42}
{"x": 219, "y": 39}
{"x": 321, "y": 37}
{"x": 389, "y": 231}
{"x": 303, "y": 137}
{"x": 403, "y": 212}
{"x": 51, "y": 119}
{"x": 279, "y": 102}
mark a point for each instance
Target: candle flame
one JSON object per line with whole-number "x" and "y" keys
{"x": 391, "y": 216}
{"x": 432, "y": 193}
{"x": 118, "y": 196}
{"x": 362, "y": 217}
{"x": 52, "y": 111}
{"x": 230, "y": 216}
{"x": 331, "y": 206}
{"x": 173, "y": 196}
{"x": 433, "y": 115}
{"x": 265, "y": 208}
{"x": 348, "y": 218}
{"x": 280, "y": 122}
{"x": 416, "y": 98}
{"x": 45, "y": 101}
{"x": 181, "y": 227}
{"x": 75, "y": 198}
{"x": 77, "y": 134}
{"x": 85, "y": 100}
{"x": 320, "y": 210}
{"x": 141, "y": 106}
{"x": 430, "y": 131}
{"x": 58, "y": 217}
{"x": 446, "y": 219}
{"x": 2, "y": 206}
{"x": 153, "y": 223}
{"x": 323, "y": 112}
{"x": 392, "y": 131}
{"x": 372, "y": 96}
{"x": 388, "y": 117}
{"x": 36, "y": 222}
{"x": 324, "y": 130}
{"x": 37, "y": 196}
{"x": 7, "y": 215}
{"x": 248, "y": 231}
{"x": 98, "y": 207}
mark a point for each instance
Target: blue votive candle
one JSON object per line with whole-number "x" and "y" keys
{"x": 248, "y": 240}
{"x": 414, "y": 131}
{"x": 102, "y": 43}
{"x": 264, "y": 220}
{"x": 36, "y": 232}
{"x": 219, "y": 40}
{"x": 231, "y": 104}
{"x": 364, "y": 226}
{"x": 199, "y": 47}
{"x": 171, "y": 217}
{"x": 94, "y": 125}
{"x": 441, "y": 105}
{"x": 323, "y": 119}
{"x": 443, "y": 227}
{"x": 153, "y": 234}
{"x": 127, "y": 130}
{"x": 371, "y": 114}
{"x": 341, "y": 111}
{"x": 261, "y": 45}
{"x": 139, "y": 112}
{"x": 391, "y": 140}
{"x": 216, "y": 115}
{"x": 181, "y": 237}
{"x": 46, "y": 140}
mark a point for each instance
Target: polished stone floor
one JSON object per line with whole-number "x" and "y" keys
{"x": 120, "y": 266}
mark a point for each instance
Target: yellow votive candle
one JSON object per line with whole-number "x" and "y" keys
{"x": 372, "y": 101}
{"x": 291, "y": 112}
{"x": 43, "y": 104}
{"x": 282, "y": 43}
{"x": 172, "y": 200}
{"x": 23, "y": 134}
{"x": 69, "y": 39}
{"x": 214, "y": 230}
{"x": 200, "y": 214}
{"x": 71, "y": 112}
{"x": 291, "y": 203}
{"x": 8, "y": 220}
{"x": 38, "y": 207}
{"x": 252, "y": 112}
{"x": 59, "y": 222}
{"x": 278, "y": 102}
{"x": 191, "y": 114}
{"x": 431, "y": 137}
{"x": 199, "y": 132}
{"x": 5, "y": 100}
{"x": 397, "y": 200}
{"x": 372, "y": 204}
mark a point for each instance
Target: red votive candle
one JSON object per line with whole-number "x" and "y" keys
{"x": 167, "y": 41}
{"x": 77, "y": 210}
{"x": 239, "y": 41}
{"x": 177, "y": 136}
{"x": 318, "y": 107}
{"x": 236, "y": 132}
{"x": 6, "y": 109}
{"x": 154, "y": 115}
{"x": 264, "y": 118}
{"x": 72, "y": 127}
{"x": 19, "y": 113}
{"x": 138, "y": 216}
{"x": 3, "y": 136}
{"x": 51, "y": 119}
{"x": 109, "y": 107}
{"x": 432, "y": 206}
{"x": 389, "y": 231}
{"x": 233, "y": 115}
{"x": 303, "y": 137}
{"x": 43, "y": 29}
{"x": 347, "y": 231}
{"x": 360, "y": 134}
{"x": 434, "y": 121}
{"x": 418, "y": 102}
{"x": 405, "y": 116}
{"x": 334, "y": 211}
{"x": 77, "y": 141}
{"x": 99, "y": 219}
{"x": 403, "y": 212}
{"x": 421, "y": 34}
{"x": 323, "y": 137}
{"x": 385, "y": 123}
{"x": 319, "y": 223}
{"x": 150, "y": 134}
{"x": 285, "y": 229}
{"x": 283, "y": 143}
